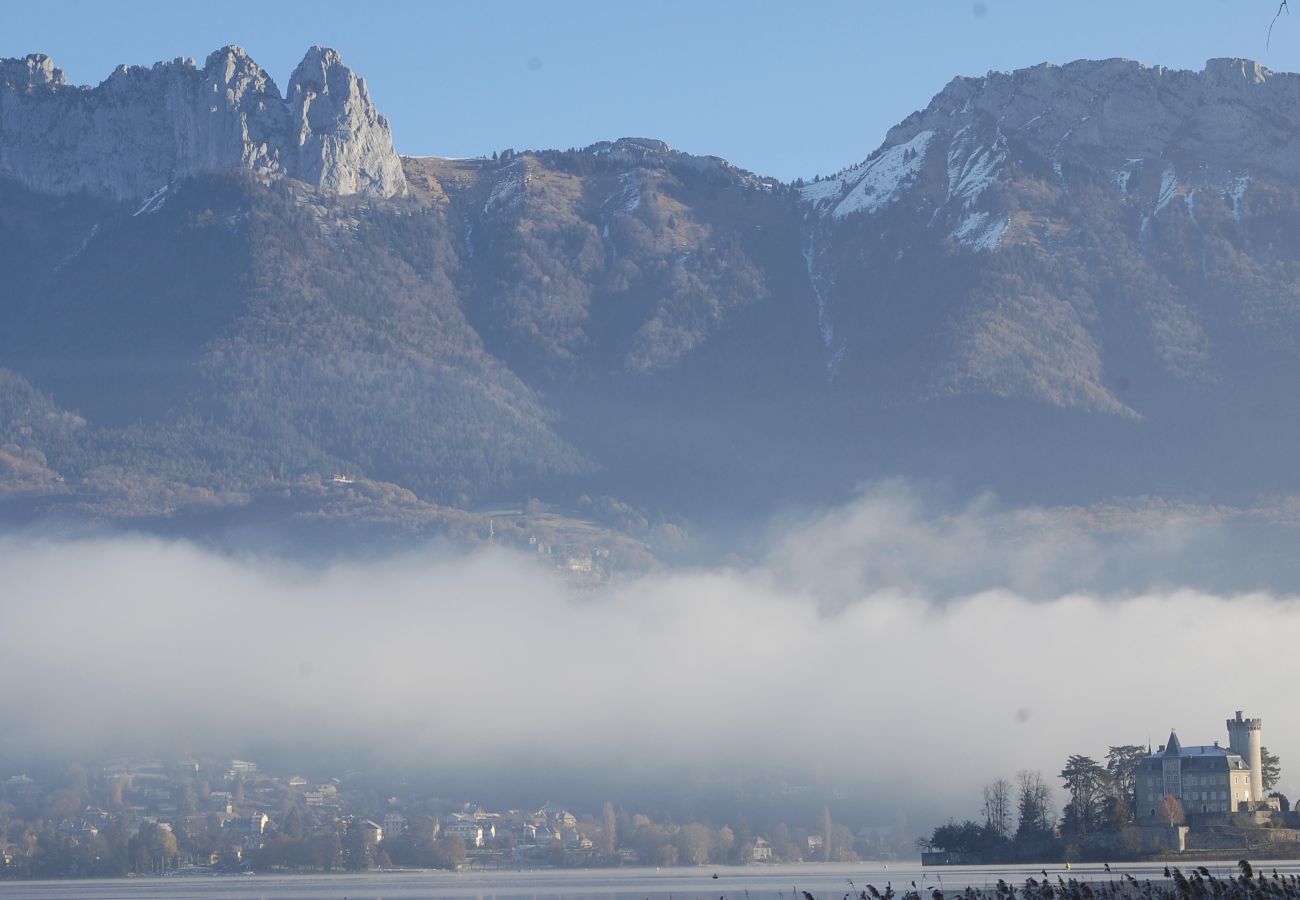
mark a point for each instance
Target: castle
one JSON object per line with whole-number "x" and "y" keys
{"x": 1206, "y": 780}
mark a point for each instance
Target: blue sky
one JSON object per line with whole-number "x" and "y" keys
{"x": 784, "y": 89}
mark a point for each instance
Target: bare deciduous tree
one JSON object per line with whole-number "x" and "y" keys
{"x": 1171, "y": 810}
{"x": 997, "y": 806}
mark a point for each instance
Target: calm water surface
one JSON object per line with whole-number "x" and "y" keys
{"x": 781, "y": 882}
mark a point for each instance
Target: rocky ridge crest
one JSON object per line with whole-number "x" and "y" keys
{"x": 146, "y": 126}
{"x": 1233, "y": 113}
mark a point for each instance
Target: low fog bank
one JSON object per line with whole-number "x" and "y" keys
{"x": 912, "y": 656}
{"x": 916, "y": 540}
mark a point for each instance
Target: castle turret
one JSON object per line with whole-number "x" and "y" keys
{"x": 1244, "y": 739}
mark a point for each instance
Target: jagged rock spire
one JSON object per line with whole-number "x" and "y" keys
{"x": 33, "y": 70}
{"x": 145, "y": 126}
{"x": 343, "y": 144}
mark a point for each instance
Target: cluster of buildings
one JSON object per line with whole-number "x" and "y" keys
{"x": 240, "y": 809}
{"x": 552, "y": 825}
{"x": 157, "y": 816}
{"x": 234, "y": 815}
{"x": 233, "y": 808}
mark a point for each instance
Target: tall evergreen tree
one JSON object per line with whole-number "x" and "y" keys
{"x": 1271, "y": 768}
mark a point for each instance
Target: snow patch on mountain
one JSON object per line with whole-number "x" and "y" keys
{"x": 835, "y": 354}
{"x": 1168, "y": 188}
{"x": 824, "y": 325}
{"x": 828, "y": 189}
{"x": 873, "y": 184}
{"x": 1034, "y": 119}
{"x": 85, "y": 242}
{"x": 886, "y": 176}
{"x": 508, "y": 192}
{"x": 628, "y": 196}
{"x": 1056, "y": 160}
{"x": 154, "y": 203}
{"x": 1123, "y": 175}
{"x": 980, "y": 231}
{"x": 624, "y": 201}
{"x": 973, "y": 168}
{"x": 1236, "y": 191}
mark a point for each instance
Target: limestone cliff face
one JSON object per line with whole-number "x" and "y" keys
{"x": 343, "y": 144}
{"x": 143, "y": 127}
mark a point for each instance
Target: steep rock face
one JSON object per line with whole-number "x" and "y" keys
{"x": 143, "y": 127}
{"x": 343, "y": 144}
{"x": 35, "y": 70}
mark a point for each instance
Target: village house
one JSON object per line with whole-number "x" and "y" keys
{"x": 468, "y": 830}
{"x": 394, "y": 824}
{"x": 558, "y": 816}
{"x": 241, "y": 767}
{"x": 371, "y": 832}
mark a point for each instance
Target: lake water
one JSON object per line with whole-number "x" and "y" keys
{"x": 778, "y": 882}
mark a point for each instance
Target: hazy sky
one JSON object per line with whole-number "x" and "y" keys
{"x": 785, "y": 89}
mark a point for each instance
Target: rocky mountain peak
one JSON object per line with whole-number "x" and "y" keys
{"x": 145, "y": 126}
{"x": 316, "y": 68}
{"x": 34, "y": 70}
{"x": 343, "y": 144}
{"x": 232, "y": 65}
{"x": 1231, "y": 72}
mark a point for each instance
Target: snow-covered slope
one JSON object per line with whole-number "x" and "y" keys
{"x": 871, "y": 185}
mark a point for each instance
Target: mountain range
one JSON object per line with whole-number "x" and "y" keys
{"x": 233, "y": 312}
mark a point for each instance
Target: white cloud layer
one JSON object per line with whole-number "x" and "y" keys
{"x": 872, "y": 644}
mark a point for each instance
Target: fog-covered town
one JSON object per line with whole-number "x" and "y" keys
{"x": 146, "y": 816}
